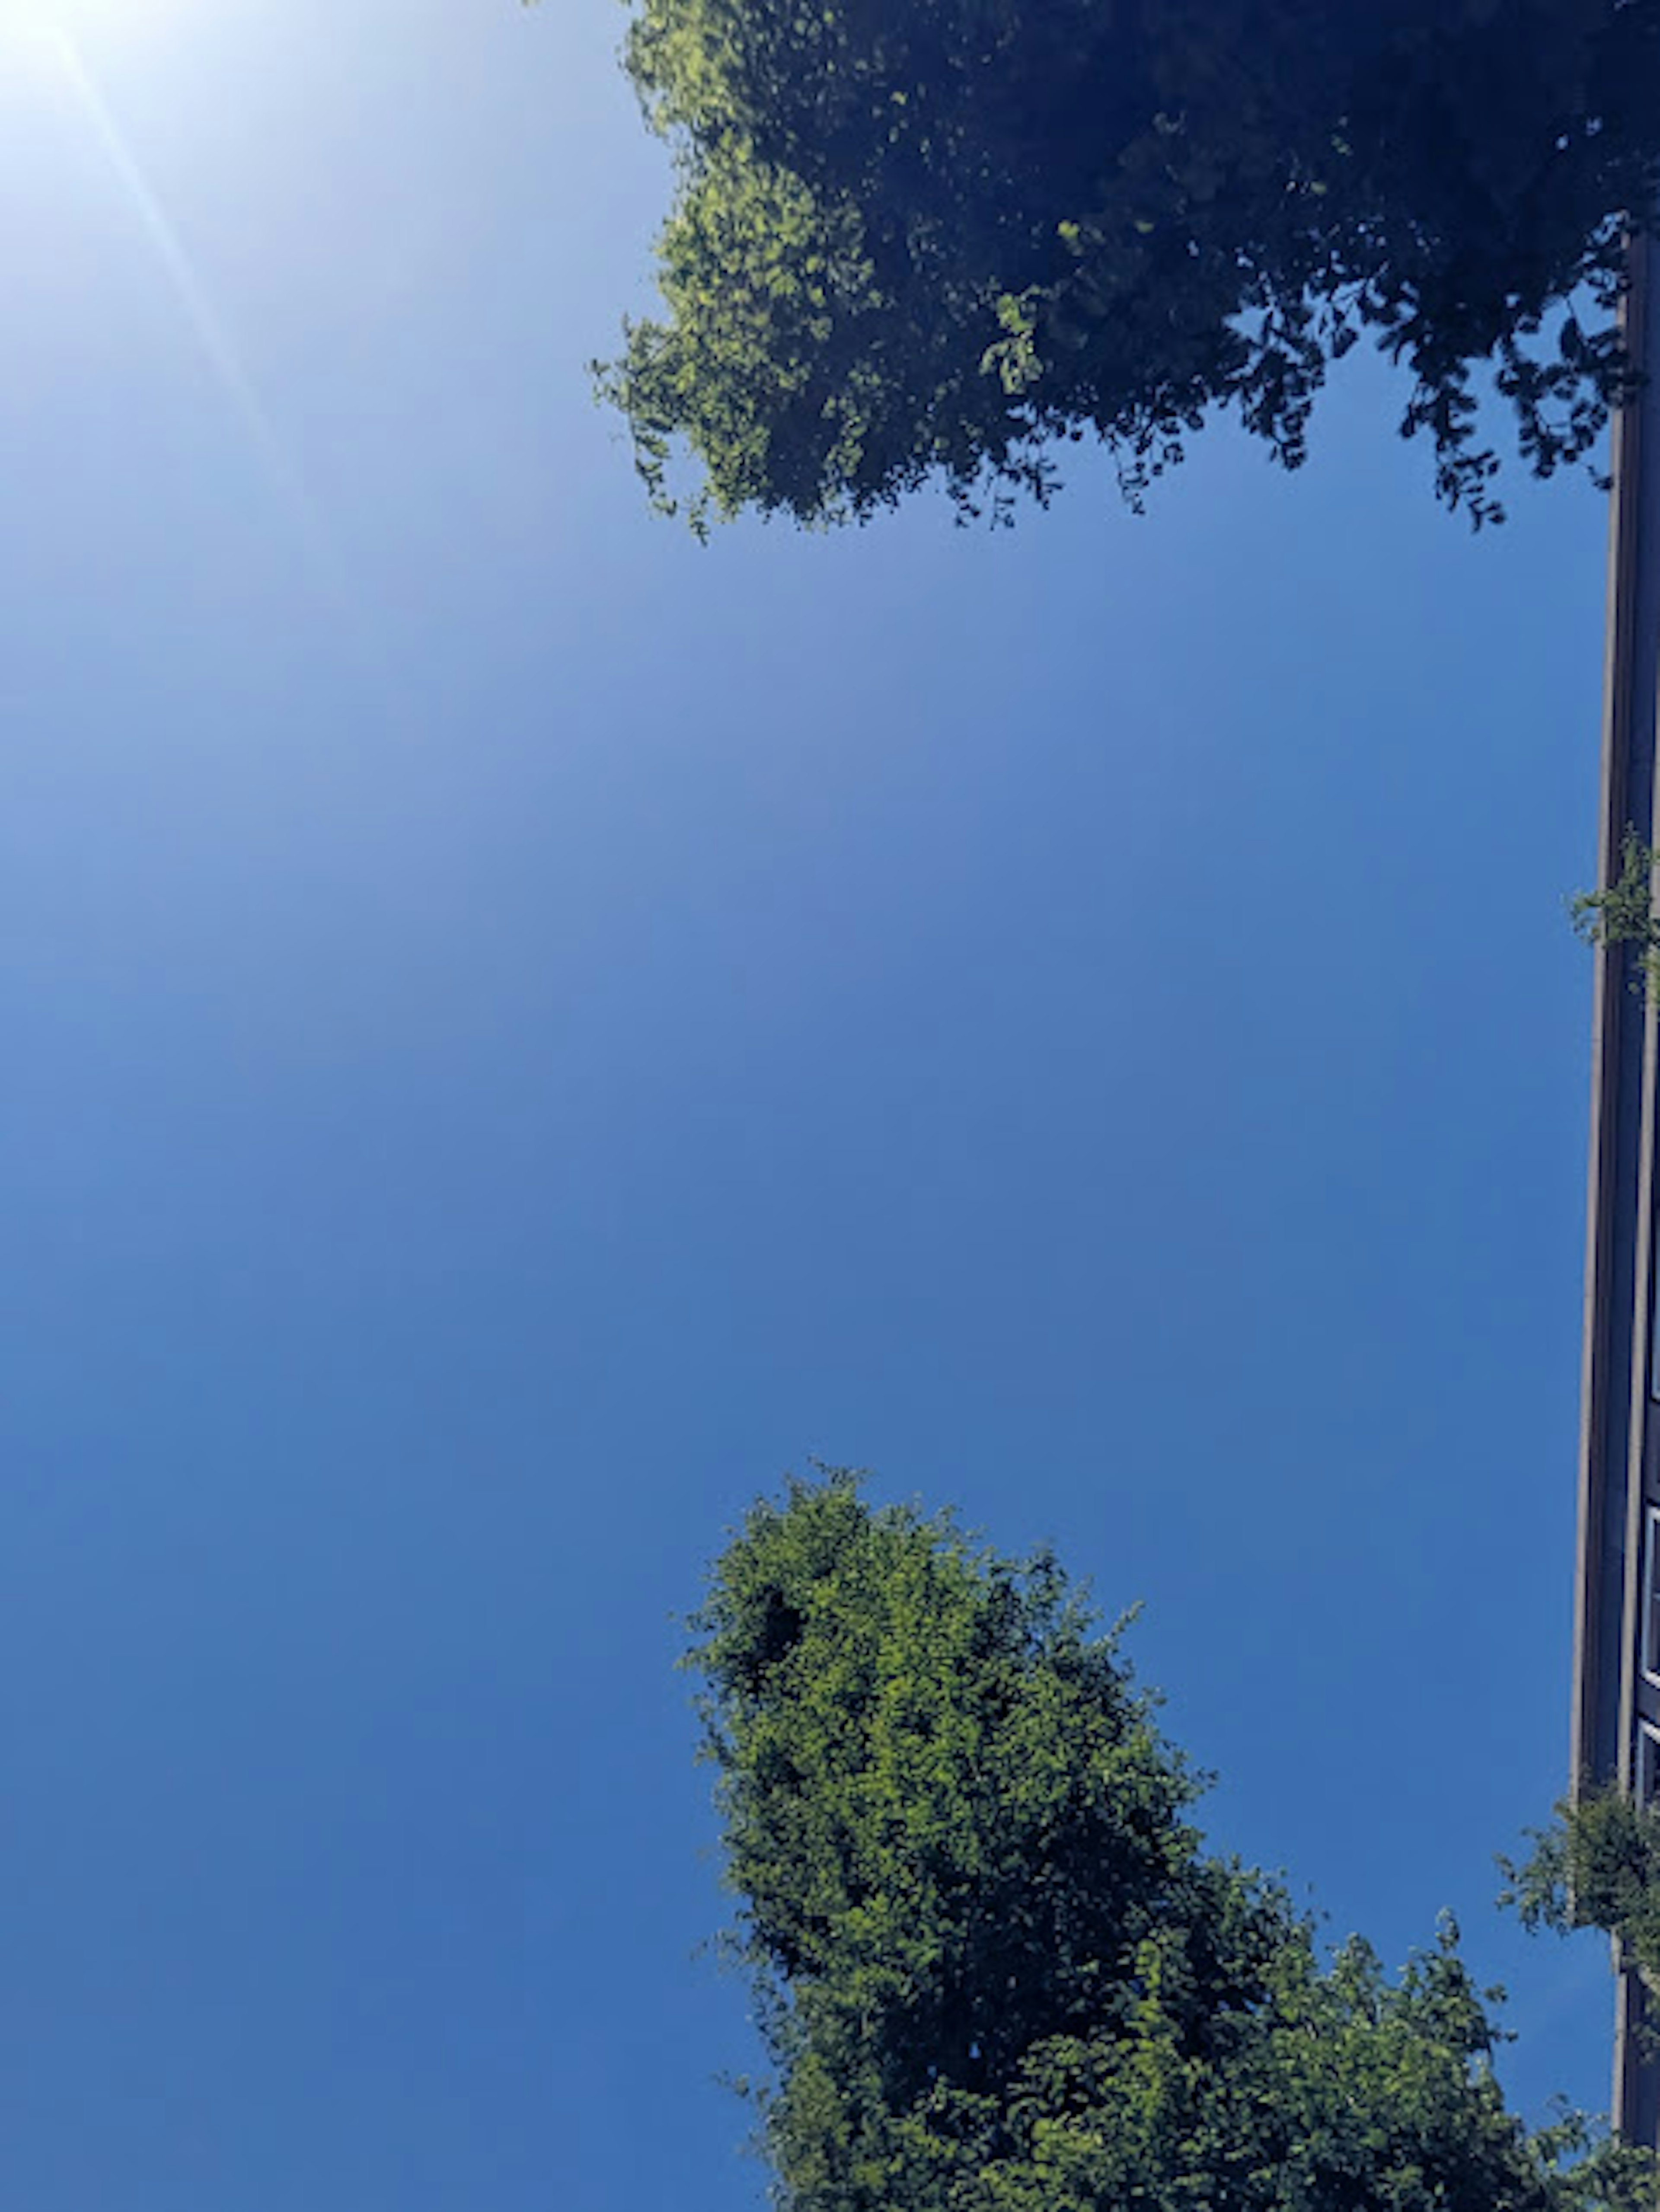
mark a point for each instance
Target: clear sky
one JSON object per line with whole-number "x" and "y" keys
{"x": 516, "y": 1029}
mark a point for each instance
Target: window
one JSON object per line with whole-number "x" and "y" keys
{"x": 1651, "y": 1595}
{"x": 1648, "y": 1764}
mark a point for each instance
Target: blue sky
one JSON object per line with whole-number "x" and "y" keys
{"x": 518, "y": 1029}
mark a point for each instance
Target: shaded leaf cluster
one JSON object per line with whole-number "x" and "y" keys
{"x": 940, "y": 240}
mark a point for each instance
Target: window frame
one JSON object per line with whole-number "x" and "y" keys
{"x": 1647, "y": 1778}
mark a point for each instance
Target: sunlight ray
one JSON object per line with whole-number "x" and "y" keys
{"x": 207, "y": 326}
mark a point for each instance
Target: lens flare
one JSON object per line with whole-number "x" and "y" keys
{"x": 50, "y": 36}
{"x": 97, "y": 23}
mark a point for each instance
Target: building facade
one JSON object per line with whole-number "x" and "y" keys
{"x": 1616, "y": 1703}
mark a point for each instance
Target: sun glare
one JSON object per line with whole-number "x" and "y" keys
{"x": 71, "y": 38}
{"x": 90, "y": 25}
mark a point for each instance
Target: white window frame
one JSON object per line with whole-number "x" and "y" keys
{"x": 1649, "y": 1643}
{"x": 1647, "y": 1778}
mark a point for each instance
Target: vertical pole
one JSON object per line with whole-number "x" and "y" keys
{"x": 1615, "y": 1700}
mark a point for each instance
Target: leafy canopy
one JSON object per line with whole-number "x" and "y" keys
{"x": 999, "y": 1971}
{"x": 916, "y": 239}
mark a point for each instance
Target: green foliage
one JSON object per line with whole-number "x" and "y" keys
{"x": 998, "y": 1969}
{"x": 935, "y": 239}
{"x": 1624, "y": 914}
{"x": 1597, "y": 1865}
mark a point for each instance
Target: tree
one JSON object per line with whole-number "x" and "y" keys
{"x": 916, "y": 239}
{"x": 998, "y": 1969}
{"x": 1597, "y": 1865}
{"x": 1624, "y": 912}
